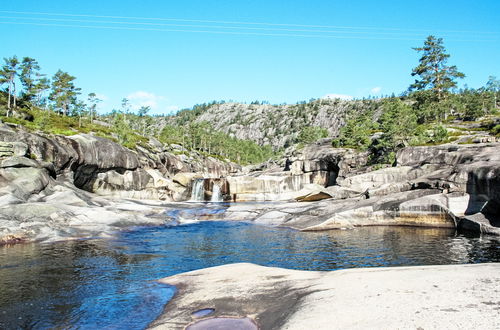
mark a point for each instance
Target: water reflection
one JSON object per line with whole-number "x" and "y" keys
{"x": 110, "y": 283}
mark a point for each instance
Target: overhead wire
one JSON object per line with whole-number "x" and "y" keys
{"x": 241, "y": 22}
{"x": 231, "y": 28}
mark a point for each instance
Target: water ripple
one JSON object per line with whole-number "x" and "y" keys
{"x": 110, "y": 283}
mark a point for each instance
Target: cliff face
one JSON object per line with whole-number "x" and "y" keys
{"x": 101, "y": 166}
{"x": 279, "y": 125}
{"x": 50, "y": 185}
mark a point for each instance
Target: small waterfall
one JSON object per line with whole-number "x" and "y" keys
{"x": 216, "y": 193}
{"x": 198, "y": 191}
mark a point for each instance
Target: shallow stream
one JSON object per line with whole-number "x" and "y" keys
{"x": 110, "y": 283}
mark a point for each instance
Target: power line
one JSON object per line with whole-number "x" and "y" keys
{"x": 210, "y": 26}
{"x": 241, "y": 23}
{"x": 204, "y": 31}
{"x": 234, "y": 32}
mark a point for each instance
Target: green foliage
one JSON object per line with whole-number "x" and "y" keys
{"x": 439, "y": 134}
{"x": 495, "y": 130}
{"x": 64, "y": 92}
{"x": 186, "y": 116}
{"x": 126, "y": 136}
{"x": 8, "y": 74}
{"x": 398, "y": 124}
{"x": 433, "y": 72}
{"x": 202, "y": 138}
{"x": 357, "y": 131}
{"x": 470, "y": 104}
{"x": 29, "y": 77}
{"x": 311, "y": 134}
{"x": 380, "y": 126}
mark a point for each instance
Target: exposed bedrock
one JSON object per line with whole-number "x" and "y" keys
{"x": 440, "y": 186}
{"x": 437, "y": 186}
{"x": 318, "y": 164}
{"x": 104, "y": 167}
{"x": 419, "y": 297}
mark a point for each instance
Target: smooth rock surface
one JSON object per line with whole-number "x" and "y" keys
{"x": 419, "y": 297}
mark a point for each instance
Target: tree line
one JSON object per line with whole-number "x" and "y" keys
{"x": 55, "y": 107}
{"x": 382, "y": 126}
{"x": 417, "y": 115}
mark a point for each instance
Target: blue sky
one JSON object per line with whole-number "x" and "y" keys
{"x": 305, "y": 49}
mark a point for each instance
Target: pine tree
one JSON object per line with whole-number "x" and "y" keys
{"x": 433, "y": 72}
{"x": 493, "y": 86}
{"x": 42, "y": 85}
{"x": 64, "y": 91}
{"x": 93, "y": 102}
{"x": 29, "y": 77}
{"x": 8, "y": 75}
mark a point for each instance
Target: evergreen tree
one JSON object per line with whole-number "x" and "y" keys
{"x": 29, "y": 77}
{"x": 493, "y": 86}
{"x": 398, "y": 124}
{"x": 8, "y": 75}
{"x": 64, "y": 91}
{"x": 310, "y": 134}
{"x": 433, "y": 71}
{"x": 42, "y": 85}
{"x": 93, "y": 102}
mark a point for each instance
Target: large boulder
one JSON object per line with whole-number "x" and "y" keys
{"x": 471, "y": 169}
{"x": 377, "y": 179}
{"x": 9, "y": 149}
{"x": 269, "y": 187}
{"x": 185, "y": 178}
{"x": 335, "y": 163}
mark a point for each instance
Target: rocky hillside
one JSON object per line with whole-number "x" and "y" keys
{"x": 276, "y": 125}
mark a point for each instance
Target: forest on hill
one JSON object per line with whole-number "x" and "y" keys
{"x": 432, "y": 110}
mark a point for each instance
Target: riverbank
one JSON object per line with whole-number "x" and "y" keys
{"x": 419, "y": 297}
{"x": 62, "y": 187}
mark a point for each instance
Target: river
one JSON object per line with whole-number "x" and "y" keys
{"x": 110, "y": 282}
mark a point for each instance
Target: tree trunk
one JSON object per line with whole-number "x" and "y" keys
{"x": 8, "y": 98}
{"x": 14, "y": 94}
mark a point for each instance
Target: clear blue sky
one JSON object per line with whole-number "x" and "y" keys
{"x": 362, "y": 47}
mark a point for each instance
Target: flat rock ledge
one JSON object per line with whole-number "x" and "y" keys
{"x": 417, "y": 297}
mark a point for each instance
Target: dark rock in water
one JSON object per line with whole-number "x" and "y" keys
{"x": 481, "y": 223}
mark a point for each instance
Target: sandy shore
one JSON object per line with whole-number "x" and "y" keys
{"x": 420, "y": 297}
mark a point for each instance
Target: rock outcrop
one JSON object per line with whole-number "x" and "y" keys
{"x": 278, "y": 125}
{"x": 50, "y": 185}
{"x": 104, "y": 167}
{"x": 421, "y": 297}
{"x": 316, "y": 164}
{"x": 437, "y": 186}
{"x": 451, "y": 186}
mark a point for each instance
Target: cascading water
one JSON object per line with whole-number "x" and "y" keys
{"x": 216, "y": 193}
{"x": 198, "y": 191}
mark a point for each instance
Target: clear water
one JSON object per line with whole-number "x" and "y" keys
{"x": 110, "y": 283}
{"x": 216, "y": 193}
{"x": 198, "y": 191}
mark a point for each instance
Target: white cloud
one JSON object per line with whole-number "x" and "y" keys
{"x": 144, "y": 99}
{"x": 337, "y": 96}
{"x": 375, "y": 90}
